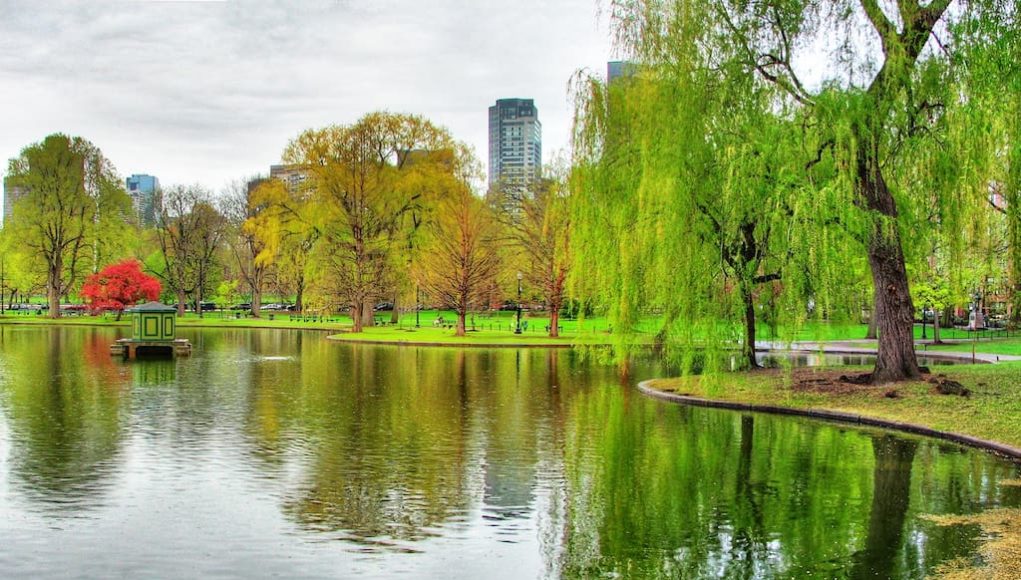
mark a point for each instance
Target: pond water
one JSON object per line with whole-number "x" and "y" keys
{"x": 278, "y": 453}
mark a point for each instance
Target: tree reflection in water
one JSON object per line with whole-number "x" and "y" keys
{"x": 67, "y": 422}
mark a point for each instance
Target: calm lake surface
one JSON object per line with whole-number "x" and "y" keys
{"x": 280, "y": 454}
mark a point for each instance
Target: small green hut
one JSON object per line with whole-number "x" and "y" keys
{"x": 153, "y": 333}
{"x": 153, "y": 322}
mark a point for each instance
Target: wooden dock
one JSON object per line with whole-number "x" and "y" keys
{"x": 130, "y": 349}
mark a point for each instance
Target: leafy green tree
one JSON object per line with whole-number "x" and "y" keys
{"x": 364, "y": 179}
{"x": 690, "y": 199}
{"x": 933, "y": 296}
{"x": 243, "y": 209}
{"x": 73, "y": 200}
{"x": 995, "y": 73}
{"x": 226, "y": 294}
{"x": 286, "y": 227}
{"x": 461, "y": 254}
{"x": 190, "y": 231}
{"x": 540, "y": 227}
{"x": 24, "y": 274}
{"x": 888, "y": 115}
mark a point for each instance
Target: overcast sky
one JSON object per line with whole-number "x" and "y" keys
{"x": 206, "y": 92}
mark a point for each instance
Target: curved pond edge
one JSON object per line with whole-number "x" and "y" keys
{"x": 1002, "y": 449}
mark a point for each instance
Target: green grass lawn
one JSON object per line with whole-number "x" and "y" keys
{"x": 1011, "y": 346}
{"x": 993, "y": 411}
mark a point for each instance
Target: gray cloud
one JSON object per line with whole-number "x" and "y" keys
{"x": 210, "y": 91}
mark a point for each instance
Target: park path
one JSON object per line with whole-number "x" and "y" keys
{"x": 867, "y": 347}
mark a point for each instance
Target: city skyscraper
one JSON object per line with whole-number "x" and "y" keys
{"x": 12, "y": 193}
{"x": 142, "y": 189}
{"x": 292, "y": 175}
{"x": 515, "y": 144}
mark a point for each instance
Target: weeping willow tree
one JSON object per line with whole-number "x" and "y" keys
{"x": 889, "y": 123}
{"x": 994, "y": 73}
{"x": 1012, "y": 196}
{"x": 693, "y": 197}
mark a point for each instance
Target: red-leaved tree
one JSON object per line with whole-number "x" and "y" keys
{"x": 119, "y": 285}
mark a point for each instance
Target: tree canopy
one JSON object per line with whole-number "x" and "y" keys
{"x": 717, "y": 133}
{"x": 364, "y": 182}
{"x": 72, "y": 206}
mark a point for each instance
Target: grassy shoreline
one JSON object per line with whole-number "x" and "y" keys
{"x": 426, "y": 335}
{"x": 991, "y": 412}
{"x": 482, "y": 338}
{"x": 494, "y": 332}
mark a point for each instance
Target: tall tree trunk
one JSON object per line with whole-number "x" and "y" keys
{"x": 256, "y": 300}
{"x": 459, "y": 331}
{"x": 554, "y": 323}
{"x": 182, "y": 299}
{"x": 935, "y": 327}
{"x": 894, "y": 312}
{"x": 394, "y": 314}
{"x": 53, "y": 272}
{"x": 299, "y": 299}
{"x": 895, "y": 358}
{"x": 356, "y": 318}
{"x": 368, "y": 318}
{"x": 53, "y": 294}
{"x": 748, "y": 345}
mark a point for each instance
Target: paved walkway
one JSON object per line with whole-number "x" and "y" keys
{"x": 861, "y": 346}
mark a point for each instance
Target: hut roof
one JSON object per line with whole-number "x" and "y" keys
{"x": 152, "y": 307}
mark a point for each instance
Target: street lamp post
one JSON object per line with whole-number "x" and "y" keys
{"x": 517, "y": 329}
{"x": 418, "y": 306}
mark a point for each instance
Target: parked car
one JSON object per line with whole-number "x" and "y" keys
{"x": 383, "y": 306}
{"x": 242, "y": 306}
